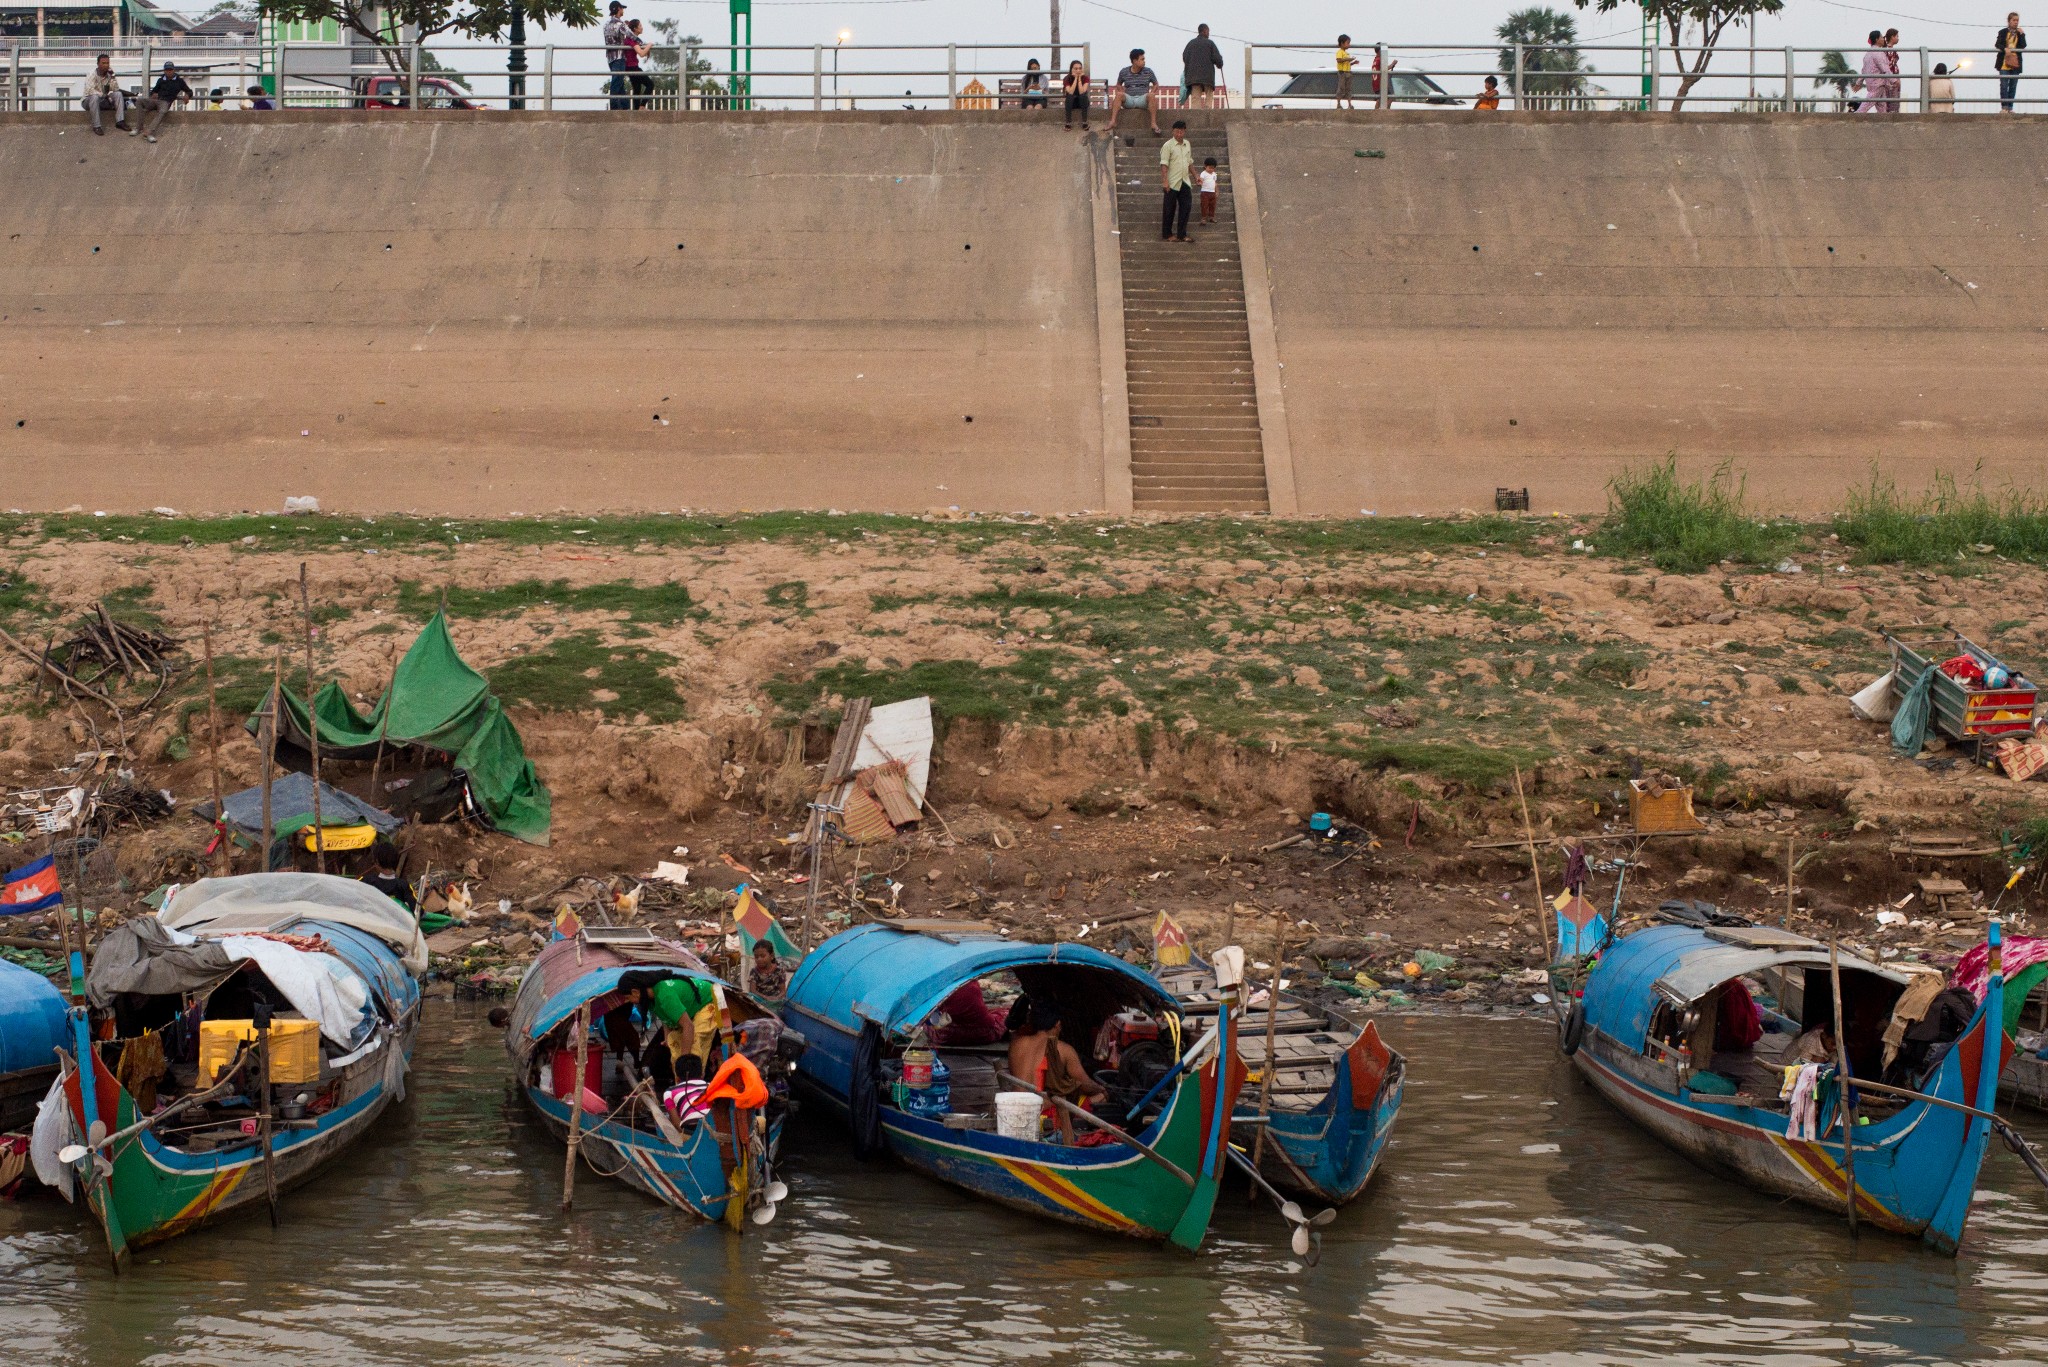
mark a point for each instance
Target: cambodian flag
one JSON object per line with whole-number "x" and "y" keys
{"x": 32, "y": 888}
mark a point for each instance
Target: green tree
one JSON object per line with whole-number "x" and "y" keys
{"x": 1553, "y": 71}
{"x": 1708, "y": 19}
{"x": 384, "y": 21}
{"x": 1835, "y": 71}
{"x": 666, "y": 57}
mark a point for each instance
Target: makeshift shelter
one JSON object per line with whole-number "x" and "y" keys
{"x": 439, "y": 702}
{"x": 291, "y": 808}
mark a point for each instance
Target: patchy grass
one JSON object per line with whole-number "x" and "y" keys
{"x": 578, "y": 671}
{"x": 792, "y": 595}
{"x": 240, "y": 684}
{"x": 1028, "y": 689}
{"x": 1942, "y": 525}
{"x": 134, "y": 606}
{"x": 650, "y": 604}
{"x": 1684, "y": 527}
{"x": 1611, "y": 664}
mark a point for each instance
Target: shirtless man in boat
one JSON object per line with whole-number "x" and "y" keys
{"x": 1040, "y": 1057}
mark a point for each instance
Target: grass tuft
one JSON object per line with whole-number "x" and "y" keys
{"x": 1684, "y": 527}
{"x": 1944, "y": 524}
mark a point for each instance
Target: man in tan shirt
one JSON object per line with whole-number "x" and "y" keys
{"x": 1176, "y": 178}
{"x": 103, "y": 91}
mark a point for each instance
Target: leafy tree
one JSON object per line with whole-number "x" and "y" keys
{"x": 1835, "y": 71}
{"x": 667, "y": 52}
{"x": 1552, "y": 68}
{"x": 239, "y": 9}
{"x": 1709, "y": 18}
{"x": 384, "y": 21}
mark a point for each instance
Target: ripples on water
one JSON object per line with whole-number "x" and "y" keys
{"x": 1517, "y": 1219}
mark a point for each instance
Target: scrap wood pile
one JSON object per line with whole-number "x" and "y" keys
{"x": 875, "y": 779}
{"x": 100, "y": 659}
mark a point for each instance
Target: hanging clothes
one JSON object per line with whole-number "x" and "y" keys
{"x": 1805, "y": 1118}
{"x": 140, "y": 1068}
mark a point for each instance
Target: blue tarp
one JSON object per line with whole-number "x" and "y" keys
{"x": 897, "y": 978}
{"x": 32, "y": 1020}
{"x": 291, "y": 807}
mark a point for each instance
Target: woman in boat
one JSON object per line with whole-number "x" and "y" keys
{"x": 1040, "y": 1057}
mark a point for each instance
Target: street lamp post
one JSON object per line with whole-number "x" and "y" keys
{"x": 844, "y": 36}
{"x": 515, "y": 64}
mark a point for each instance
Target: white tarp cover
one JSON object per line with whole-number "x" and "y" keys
{"x": 54, "y": 1132}
{"x": 900, "y": 731}
{"x": 321, "y": 895}
{"x": 320, "y": 987}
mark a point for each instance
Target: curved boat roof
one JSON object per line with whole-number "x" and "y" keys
{"x": 32, "y": 1020}
{"x": 567, "y": 973}
{"x": 896, "y": 977}
{"x": 256, "y": 901}
{"x": 1680, "y": 964}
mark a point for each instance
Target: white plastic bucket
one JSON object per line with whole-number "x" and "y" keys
{"x": 1017, "y": 1115}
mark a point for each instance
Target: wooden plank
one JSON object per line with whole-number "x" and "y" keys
{"x": 846, "y": 744}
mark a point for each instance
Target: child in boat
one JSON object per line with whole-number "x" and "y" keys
{"x": 1815, "y": 1046}
{"x": 1040, "y": 1057}
{"x": 768, "y": 980}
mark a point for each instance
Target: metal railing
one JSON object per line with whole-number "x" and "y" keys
{"x": 557, "y": 76}
{"x": 1630, "y": 77}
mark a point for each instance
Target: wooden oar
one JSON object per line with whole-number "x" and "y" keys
{"x": 1099, "y": 1123}
{"x": 1269, "y": 1067}
{"x": 579, "y": 1041}
{"x": 262, "y": 1013}
{"x": 1847, "y": 1109}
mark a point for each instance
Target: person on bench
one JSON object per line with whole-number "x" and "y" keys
{"x": 103, "y": 91}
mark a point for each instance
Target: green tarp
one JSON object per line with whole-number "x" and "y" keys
{"x": 437, "y": 701}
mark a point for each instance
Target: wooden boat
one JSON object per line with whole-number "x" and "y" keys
{"x": 719, "y": 1166}
{"x": 32, "y": 1028}
{"x": 326, "y": 969}
{"x": 1335, "y": 1094}
{"x": 1644, "y": 1030}
{"x": 863, "y": 995}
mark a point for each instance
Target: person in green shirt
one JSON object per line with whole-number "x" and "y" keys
{"x": 688, "y": 1012}
{"x": 1176, "y": 178}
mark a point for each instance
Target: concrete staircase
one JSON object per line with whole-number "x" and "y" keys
{"x": 1187, "y": 350}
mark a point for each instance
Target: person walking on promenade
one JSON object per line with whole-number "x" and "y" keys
{"x": 1346, "y": 59}
{"x": 2010, "y": 46}
{"x": 1074, "y": 85}
{"x": 1200, "y": 60}
{"x": 1892, "y": 83}
{"x": 1941, "y": 91}
{"x": 618, "y": 38}
{"x": 636, "y": 75}
{"x": 170, "y": 89}
{"x": 1875, "y": 64}
{"x": 1133, "y": 90}
{"x": 1205, "y": 182}
{"x": 103, "y": 91}
{"x": 1176, "y": 167}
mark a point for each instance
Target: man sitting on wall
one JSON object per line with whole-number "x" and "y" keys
{"x": 103, "y": 91}
{"x": 170, "y": 89}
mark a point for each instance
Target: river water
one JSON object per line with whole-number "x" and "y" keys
{"x": 1517, "y": 1219}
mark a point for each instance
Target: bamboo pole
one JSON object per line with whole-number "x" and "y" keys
{"x": 579, "y": 1041}
{"x": 1535, "y": 869}
{"x": 1844, "y": 1108}
{"x": 1791, "y": 873}
{"x": 269, "y": 1130}
{"x": 1272, "y": 1030}
{"x": 313, "y": 724}
{"x": 220, "y": 807}
{"x": 383, "y": 730}
{"x": 270, "y": 754}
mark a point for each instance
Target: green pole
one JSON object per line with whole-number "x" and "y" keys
{"x": 743, "y": 85}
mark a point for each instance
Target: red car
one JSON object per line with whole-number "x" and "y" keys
{"x": 436, "y": 92}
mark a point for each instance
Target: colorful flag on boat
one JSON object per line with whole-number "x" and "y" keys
{"x": 1170, "y": 948}
{"x": 1581, "y": 929}
{"x": 568, "y": 925}
{"x": 32, "y": 887}
{"x": 756, "y": 924}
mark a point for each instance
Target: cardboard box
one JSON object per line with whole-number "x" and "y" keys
{"x": 1670, "y": 810}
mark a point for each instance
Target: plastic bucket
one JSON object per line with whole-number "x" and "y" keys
{"x": 917, "y": 1068}
{"x": 1017, "y": 1115}
{"x": 1319, "y": 822}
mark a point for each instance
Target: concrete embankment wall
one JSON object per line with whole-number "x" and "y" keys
{"x": 486, "y": 313}
{"x": 483, "y": 314}
{"x": 1802, "y": 296}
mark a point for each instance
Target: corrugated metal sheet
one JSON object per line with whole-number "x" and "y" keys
{"x": 864, "y": 821}
{"x": 900, "y": 731}
{"x": 890, "y": 787}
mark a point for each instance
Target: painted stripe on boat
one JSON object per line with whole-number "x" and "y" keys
{"x": 1064, "y": 1193}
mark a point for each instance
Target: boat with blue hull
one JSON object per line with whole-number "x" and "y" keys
{"x": 710, "y": 1153}
{"x": 1680, "y": 1028}
{"x": 866, "y": 997}
{"x": 1333, "y": 1098}
{"x": 32, "y": 1029}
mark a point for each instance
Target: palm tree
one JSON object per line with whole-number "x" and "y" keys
{"x": 1553, "y": 73}
{"x": 1835, "y": 71}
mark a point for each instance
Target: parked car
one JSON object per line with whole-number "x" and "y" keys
{"x": 1318, "y": 90}
{"x": 388, "y": 92}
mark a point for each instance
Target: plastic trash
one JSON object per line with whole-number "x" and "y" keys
{"x": 1433, "y": 962}
{"x": 301, "y": 503}
{"x": 1873, "y": 702}
{"x": 1909, "y": 723}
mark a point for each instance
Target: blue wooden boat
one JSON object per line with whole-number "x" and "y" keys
{"x": 329, "y": 955}
{"x": 718, "y": 1166}
{"x": 863, "y": 995}
{"x": 32, "y": 1029}
{"x": 1335, "y": 1095}
{"x": 1645, "y": 1034}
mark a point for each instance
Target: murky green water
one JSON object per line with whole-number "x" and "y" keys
{"x": 1517, "y": 1219}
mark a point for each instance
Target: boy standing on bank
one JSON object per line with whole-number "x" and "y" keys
{"x": 1346, "y": 59}
{"x": 1206, "y": 184}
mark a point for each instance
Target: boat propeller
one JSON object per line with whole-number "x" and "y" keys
{"x": 1304, "y": 1242}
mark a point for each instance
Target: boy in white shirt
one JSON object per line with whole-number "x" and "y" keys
{"x": 1205, "y": 183}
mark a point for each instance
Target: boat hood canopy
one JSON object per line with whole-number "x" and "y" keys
{"x": 1679, "y": 964}
{"x": 266, "y": 901}
{"x": 897, "y": 978}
